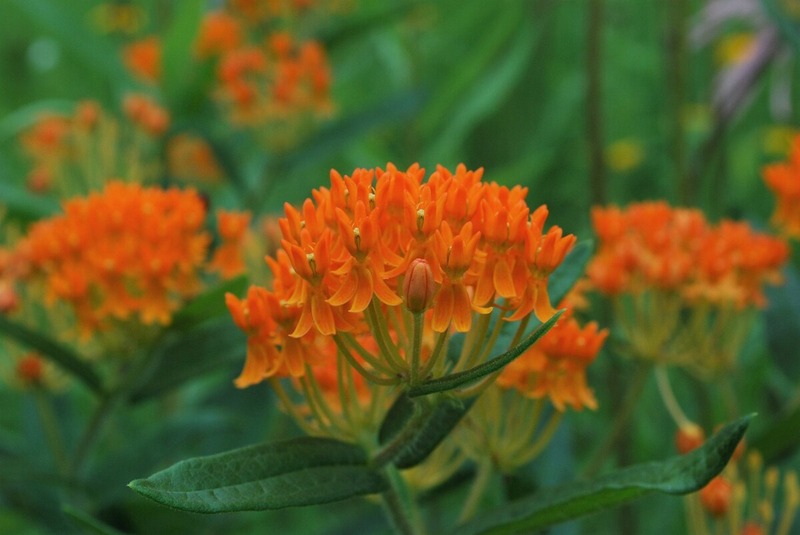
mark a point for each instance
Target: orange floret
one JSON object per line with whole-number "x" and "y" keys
{"x": 228, "y": 257}
{"x": 784, "y": 181}
{"x": 219, "y": 33}
{"x": 143, "y": 59}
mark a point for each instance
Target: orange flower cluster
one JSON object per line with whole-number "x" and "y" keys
{"x": 556, "y": 365}
{"x": 345, "y": 252}
{"x": 77, "y": 153}
{"x": 126, "y": 253}
{"x": 258, "y": 84}
{"x": 654, "y": 246}
{"x": 228, "y": 256}
{"x": 784, "y": 181}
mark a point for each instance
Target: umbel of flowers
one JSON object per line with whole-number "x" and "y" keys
{"x": 376, "y": 275}
{"x": 125, "y": 253}
{"x": 684, "y": 290}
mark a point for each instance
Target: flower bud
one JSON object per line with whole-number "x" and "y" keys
{"x": 716, "y": 496}
{"x": 689, "y": 437}
{"x": 418, "y": 286}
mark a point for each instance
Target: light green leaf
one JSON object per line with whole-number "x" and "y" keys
{"x": 450, "y": 382}
{"x": 302, "y": 471}
{"x": 678, "y": 475}
{"x": 179, "y": 66}
{"x": 61, "y": 355}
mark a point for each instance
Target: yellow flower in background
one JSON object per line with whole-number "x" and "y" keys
{"x": 777, "y": 139}
{"x": 624, "y": 155}
{"x": 734, "y": 48}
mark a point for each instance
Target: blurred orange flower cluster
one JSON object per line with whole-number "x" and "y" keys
{"x": 260, "y": 81}
{"x": 556, "y": 365}
{"x": 78, "y": 153}
{"x": 228, "y": 256}
{"x": 127, "y": 252}
{"x": 784, "y": 181}
{"x": 344, "y": 255}
{"x": 654, "y": 246}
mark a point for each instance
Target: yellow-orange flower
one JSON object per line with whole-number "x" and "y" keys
{"x": 126, "y": 253}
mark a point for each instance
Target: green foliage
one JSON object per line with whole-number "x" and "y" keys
{"x": 302, "y": 471}
{"x": 679, "y": 475}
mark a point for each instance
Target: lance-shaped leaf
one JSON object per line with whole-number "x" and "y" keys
{"x": 421, "y": 433}
{"x": 678, "y": 475}
{"x": 571, "y": 269}
{"x": 302, "y": 471}
{"x": 455, "y": 380}
{"x": 61, "y": 355}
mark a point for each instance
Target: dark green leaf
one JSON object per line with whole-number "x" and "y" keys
{"x": 302, "y": 471}
{"x": 779, "y": 438}
{"x": 571, "y": 269}
{"x": 61, "y": 355}
{"x": 87, "y": 523}
{"x": 455, "y": 380}
{"x": 209, "y": 305}
{"x": 678, "y": 475}
{"x": 187, "y": 355}
{"x": 429, "y": 431}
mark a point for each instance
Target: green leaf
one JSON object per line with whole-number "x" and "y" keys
{"x": 61, "y": 355}
{"x": 570, "y": 271}
{"x": 301, "y": 471}
{"x": 430, "y": 430}
{"x": 23, "y": 202}
{"x": 210, "y": 304}
{"x": 87, "y": 523}
{"x": 779, "y": 439}
{"x": 179, "y": 65}
{"x": 184, "y": 356}
{"x": 450, "y": 382}
{"x": 678, "y": 475}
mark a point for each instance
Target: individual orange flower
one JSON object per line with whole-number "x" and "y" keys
{"x": 228, "y": 256}
{"x": 126, "y": 253}
{"x": 143, "y": 59}
{"x": 47, "y": 137}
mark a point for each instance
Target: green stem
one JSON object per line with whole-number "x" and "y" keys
{"x": 670, "y": 401}
{"x": 399, "y": 505}
{"x": 482, "y": 478}
{"x": 416, "y": 346}
{"x": 435, "y": 358}
{"x": 369, "y": 376}
{"x": 377, "y": 325}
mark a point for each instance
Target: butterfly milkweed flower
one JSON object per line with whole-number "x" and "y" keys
{"x": 684, "y": 290}
{"x": 126, "y": 253}
{"x": 228, "y": 258}
{"x": 143, "y": 59}
{"x": 377, "y": 271}
{"x": 783, "y": 179}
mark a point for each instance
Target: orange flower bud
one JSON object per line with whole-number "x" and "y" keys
{"x": 418, "y": 286}
{"x": 688, "y": 438}
{"x": 716, "y": 496}
{"x": 30, "y": 369}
